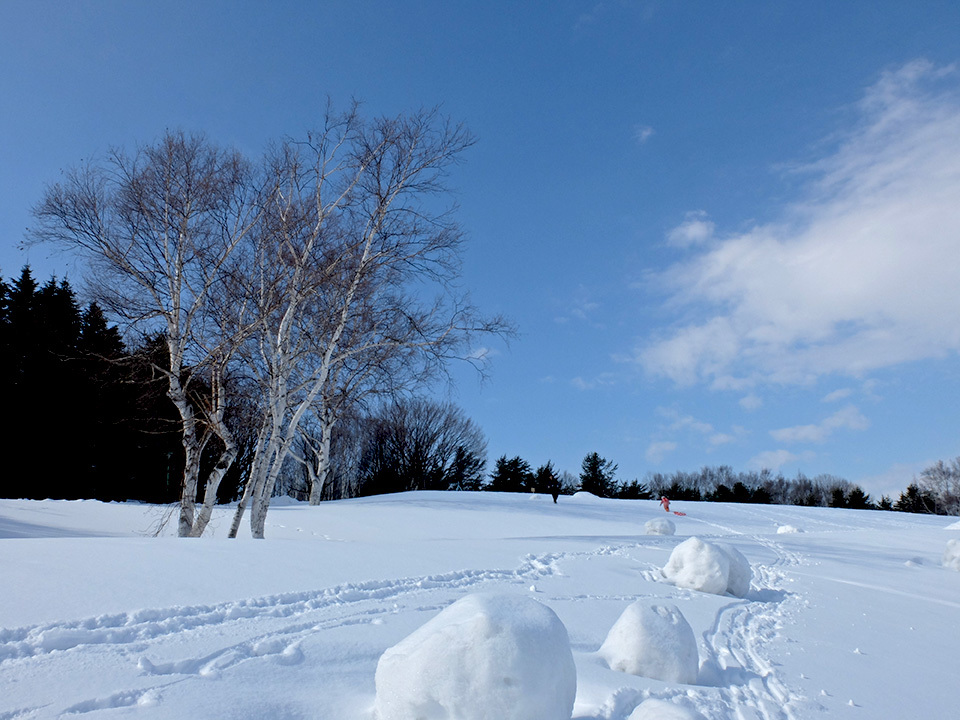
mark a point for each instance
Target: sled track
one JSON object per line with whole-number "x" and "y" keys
{"x": 736, "y": 661}
{"x": 125, "y": 628}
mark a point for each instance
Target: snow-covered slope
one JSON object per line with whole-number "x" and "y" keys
{"x": 851, "y": 612}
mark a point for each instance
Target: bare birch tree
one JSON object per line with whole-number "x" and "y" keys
{"x": 161, "y": 228}
{"x": 354, "y": 271}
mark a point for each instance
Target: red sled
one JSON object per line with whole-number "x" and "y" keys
{"x": 677, "y": 512}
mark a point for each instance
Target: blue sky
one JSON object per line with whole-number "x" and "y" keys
{"x": 729, "y": 233}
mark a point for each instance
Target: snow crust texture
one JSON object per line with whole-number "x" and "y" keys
{"x": 485, "y": 657}
{"x": 951, "y": 556}
{"x": 716, "y": 568}
{"x": 660, "y": 526}
{"x": 660, "y": 710}
{"x": 653, "y": 641}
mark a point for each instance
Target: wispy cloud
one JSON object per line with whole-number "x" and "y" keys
{"x": 582, "y": 306}
{"x": 642, "y": 133}
{"x": 835, "y": 285}
{"x": 848, "y": 418}
{"x": 696, "y": 229}
{"x": 751, "y": 402}
{"x": 836, "y": 395}
{"x": 772, "y": 460}
{"x": 601, "y": 380}
{"x": 657, "y": 451}
{"x": 679, "y": 421}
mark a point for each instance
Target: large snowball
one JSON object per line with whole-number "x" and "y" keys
{"x": 660, "y": 526}
{"x": 660, "y": 710}
{"x": 653, "y": 641}
{"x": 708, "y": 567}
{"x": 486, "y": 657}
{"x": 951, "y": 556}
{"x": 740, "y": 573}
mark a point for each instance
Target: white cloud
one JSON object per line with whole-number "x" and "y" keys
{"x": 751, "y": 402}
{"x": 682, "y": 422}
{"x": 642, "y": 133}
{"x": 858, "y": 274}
{"x": 837, "y": 395}
{"x": 658, "y": 450}
{"x": 718, "y": 439}
{"x": 772, "y": 460}
{"x": 892, "y": 481}
{"x": 601, "y": 380}
{"x": 582, "y": 307}
{"x": 694, "y": 230}
{"x": 849, "y": 418}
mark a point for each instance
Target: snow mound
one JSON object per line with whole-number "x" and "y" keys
{"x": 788, "y": 530}
{"x": 661, "y": 710}
{"x": 715, "y": 568}
{"x": 953, "y": 526}
{"x": 486, "y": 657}
{"x": 583, "y": 495}
{"x": 951, "y": 556}
{"x": 660, "y": 526}
{"x": 653, "y": 641}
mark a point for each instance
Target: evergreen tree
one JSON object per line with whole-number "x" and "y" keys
{"x": 859, "y": 500}
{"x": 634, "y": 490}
{"x": 914, "y": 500}
{"x": 597, "y": 475}
{"x": 838, "y": 498}
{"x": 546, "y": 480}
{"x": 513, "y": 475}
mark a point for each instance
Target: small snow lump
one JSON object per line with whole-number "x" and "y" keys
{"x": 653, "y": 641}
{"x": 715, "y": 568}
{"x": 486, "y": 657}
{"x": 788, "y": 530}
{"x": 660, "y": 526}
{"x": 661, "y": 710}
{"x": 951, "y": 556}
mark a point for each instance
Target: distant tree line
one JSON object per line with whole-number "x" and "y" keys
{"x": 93, "y": 419}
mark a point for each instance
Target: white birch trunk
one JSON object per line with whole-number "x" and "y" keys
{"x": 321, "y": 468}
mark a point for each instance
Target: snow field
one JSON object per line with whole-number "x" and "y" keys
{"x": 857, "y": 617}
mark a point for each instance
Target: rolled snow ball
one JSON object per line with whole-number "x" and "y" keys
{"x": 951, "y": 556}
{"x": 787, "y": 530}
{"x": 738, "y": 583}
{"x": 486, "y": 657}
{"x": 698, "y": 565}
{"x": 660, "y": 526}
{"x": 653, "y": 641}
{"x": 660, "y": 710}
